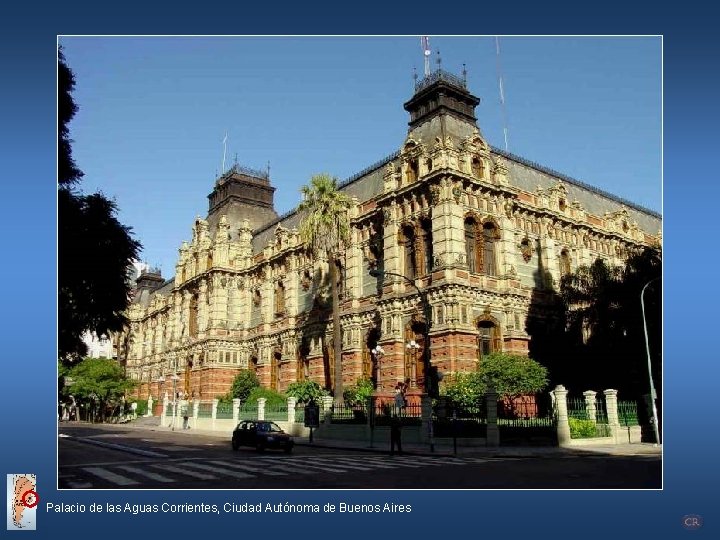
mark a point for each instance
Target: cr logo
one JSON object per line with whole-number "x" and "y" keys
{"x": 692, "y": 521}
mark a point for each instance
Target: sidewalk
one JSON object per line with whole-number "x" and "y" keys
{"x": 440, "y": 448}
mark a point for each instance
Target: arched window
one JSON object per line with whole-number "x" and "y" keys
{"x": 279, "y": 299}
{"x": 209, "y": 260}
{"x": 565, "y": 267}
{"x": 478, "y": 168}
{"x": 302, "y": 371}
{"x": 489, "y": 237}
{"x": 429, "y": 164}
{"x": 415, "y": 354}
{"x": 253, "y": 364}
{"x": 408, "y": 242}
{"x": 370, "y": 360}
{"x": 488, "y": 338}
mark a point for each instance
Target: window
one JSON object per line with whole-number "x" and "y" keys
{"x": 490, "y": 234}
{"x": 274, "y": 370}
{"x": 565, "y": 267}
{"x": 478, "y": 168}
{"x": 411, "y": 173}
{"x": 471, "y": 245}
{"x": 279, "y": 299}
{"x": 488, "y": 338}
{"x": 427, "y": 246}
{"x": 193, "y": 315}
{"x": 407, "y": 239}
{"x": 562, "y": 205}
{"x": 429, "y": 164}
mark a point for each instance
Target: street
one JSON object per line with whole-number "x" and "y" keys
{"x": 117, "y": 457}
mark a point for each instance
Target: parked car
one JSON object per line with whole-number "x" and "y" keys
{"x": 261, "y": 434}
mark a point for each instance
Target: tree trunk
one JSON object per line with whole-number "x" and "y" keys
{"x": 337, "y": 332}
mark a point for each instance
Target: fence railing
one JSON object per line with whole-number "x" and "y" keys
{"x": 628, "y": 413}
{"x": 205, "y": 410}
{"x": 276, "y": 412}
{"x": 224, "y": 410}
{"x": 248, "y": 411}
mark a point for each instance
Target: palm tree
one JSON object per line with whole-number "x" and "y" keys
{"x": 325, "y": 229}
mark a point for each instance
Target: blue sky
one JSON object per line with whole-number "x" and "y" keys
{"x": 153, "y": 113}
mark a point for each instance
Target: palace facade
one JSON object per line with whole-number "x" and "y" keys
{"x": 482, "y": 233}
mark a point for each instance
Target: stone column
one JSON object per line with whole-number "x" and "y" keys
{"x": 236, "y": 410}
{"x": 261, "y": 408}
{"x": 291, "y": 402}
{"x": 563, "y": 426}
{"x": 493, "y": 432}
{"x": 590, "y": 405}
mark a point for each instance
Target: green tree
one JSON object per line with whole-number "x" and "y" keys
{"x": 98, "y": 379}
{"x": 325, "y": 229}
{"x": 273, "y": 398}
{"x": 243, "y": 384}
{"x": 510, "y": 375}
{"x": 95, "y": 251}
{"x": 305, "y": 391}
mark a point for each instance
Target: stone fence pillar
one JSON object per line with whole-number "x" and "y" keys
{"x": 214, "y": 411}
{"x": 292, "y": 402}
{"x": 261, "y": 408}
{"x": 149, "y": 411}
{"x": 236, "y": 410}
{"x": 492, "y": 438}
{"x": 563, "y": 426}
{"x": 196, "y": 412}
{"x": 163, "y": 414}
{"x": 327, "y": 402}
{"x": 612, "y": 414}
{"x": 590, "y": 405}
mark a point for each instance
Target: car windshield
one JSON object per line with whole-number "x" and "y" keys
{"x": 270, "y": 426}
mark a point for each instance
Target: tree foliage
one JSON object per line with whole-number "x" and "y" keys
{"x": 243, "y": 384}
{"x": 359, "y": 393}
{"x": 325, "y": 229}
{"x": 596, "y": 339}
{"x": 95, "y": 251}
{"x": 273, "y": 398}
{"x": 509, "y": 375}
{"x": 100, "y": 378}
{"x": 305, "y": 391}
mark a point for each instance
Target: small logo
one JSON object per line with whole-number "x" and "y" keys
{"x": 692, "y": 522}
{"x": 22, "y": 499}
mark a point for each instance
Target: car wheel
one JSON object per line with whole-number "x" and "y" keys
{"x": 260, "y": 447}
{"x": 288, "y": 449}
{"x": 235, "y": 445}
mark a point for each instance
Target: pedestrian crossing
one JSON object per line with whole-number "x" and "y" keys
{"x": 173, "y": 473}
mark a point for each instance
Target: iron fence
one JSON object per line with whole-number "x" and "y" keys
{"x": 276, "y": 412}
{"x": 348, "y": 414}
{"x": 205, "y": 410}
{"x": 248, "y": 411}
{"x": 628, "y": 413}
{"x": 224, "y": 410}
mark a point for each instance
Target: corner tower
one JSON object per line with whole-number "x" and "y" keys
{"x": 242, "y": 193}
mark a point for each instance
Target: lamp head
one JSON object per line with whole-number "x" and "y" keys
{"x": 375, "y": 272}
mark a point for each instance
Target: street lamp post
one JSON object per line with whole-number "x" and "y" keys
{"x": 429, "y": 385}
{"x": 653, "y": 393}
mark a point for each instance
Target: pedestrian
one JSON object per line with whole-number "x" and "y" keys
{"x": 395, "y": 435}
{"x": 185, "y": 411}
{"x": 399, "y": 398}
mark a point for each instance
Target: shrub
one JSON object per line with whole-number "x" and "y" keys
{"x": 582, "y": 429}
{"x": 359, "y": 393}
{"x": 305, "y": 391}
{"x": 273, "y": 397}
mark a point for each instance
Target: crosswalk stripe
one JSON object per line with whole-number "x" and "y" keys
{"x": 79, "y": 485}
{"x": 110, "y": 476}
{"x": 306, "y": 465}
{"x": 346, "y": 463}
{"x": 178, "y": 470}
{"x": 148, "y": 474}
{"x": 242, "y": 466}
{"x": 224, "y": 471}
{"x": 396, "y": 461}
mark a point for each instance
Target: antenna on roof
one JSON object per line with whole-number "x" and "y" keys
{"x": 502, "y": 92}
{"x": 224, "y": 152}
{"x": 425, "y": 44}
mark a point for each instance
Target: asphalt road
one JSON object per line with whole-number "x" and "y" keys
{"x": 102, "y": 457}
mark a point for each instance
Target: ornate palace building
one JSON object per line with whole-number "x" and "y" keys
{"x": 482, "y": 233}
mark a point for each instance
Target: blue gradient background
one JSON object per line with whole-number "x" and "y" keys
{"x": 690, "y": 194}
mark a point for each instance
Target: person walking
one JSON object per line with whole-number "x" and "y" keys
{"x": 395, "y": 435}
